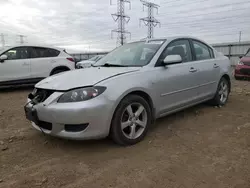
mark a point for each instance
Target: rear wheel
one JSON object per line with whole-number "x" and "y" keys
{"x": 221, "y": 96}
{"x": 131, "y": 120}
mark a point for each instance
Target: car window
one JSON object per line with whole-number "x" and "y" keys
{"x": 178, "y": 47}
{"x": 53, "y": 52}
{"x": 202, "y": 51}
{"x": 99, "y": 57}
{"x": 38, "y": 52}
{"x": 93, "y": 58}
{"x": 17, "y": 53}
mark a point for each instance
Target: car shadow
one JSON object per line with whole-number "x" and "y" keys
{"x": 243, "y": 79}
{"x": 172, "y": 118}
{"x": 107, "y": 143}
{"x": 84, "y": 145}
{"x": 16, "y": 88}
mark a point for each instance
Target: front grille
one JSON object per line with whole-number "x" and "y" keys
{"x": 245, "y": 71}
{"x": 76, "y": 128}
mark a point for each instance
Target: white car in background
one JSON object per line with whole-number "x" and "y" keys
{"x": 28, "y": 64}
{"x": 88, "y": 63}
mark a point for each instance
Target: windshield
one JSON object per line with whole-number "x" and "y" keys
{"x": 131, "y": 55}
{"x": 93, "y": 58}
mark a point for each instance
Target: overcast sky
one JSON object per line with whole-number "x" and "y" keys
{"x": 83, "y": 25}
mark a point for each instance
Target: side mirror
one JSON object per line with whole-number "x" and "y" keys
{"x": 3, "y": 57}
{"x": 172, "y": 59}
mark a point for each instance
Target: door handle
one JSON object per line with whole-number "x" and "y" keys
{"x": 192, "y": 69}
{"x": 26, "y": 64}
{"x": 216, "y": 66}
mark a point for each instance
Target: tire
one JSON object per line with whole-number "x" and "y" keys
{"x": 126, "y": 136}
{"x": 57, "y": 71}
{"x": 218, "y": 100}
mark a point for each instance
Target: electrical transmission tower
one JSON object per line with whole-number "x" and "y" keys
{"x": 3, "y": 39}
{"x": 121, "y": 18}
{"x": 21, "y": 38}
{"x": 150, "y": 21}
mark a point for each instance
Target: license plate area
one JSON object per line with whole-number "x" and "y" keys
{"x": 31, "y": 114}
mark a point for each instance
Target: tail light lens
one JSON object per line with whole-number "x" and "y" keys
{"x": 71, "y": 59}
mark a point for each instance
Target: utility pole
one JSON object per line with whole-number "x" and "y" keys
{"x": 3, "y": 39}
{"x": 150, "y": 21}
{"x": 121, "y": 18}
{"x": 21, "y": 38}
{"x": 240, "y": 37}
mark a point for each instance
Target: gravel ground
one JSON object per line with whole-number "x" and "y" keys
{"x": 201, "y": 147}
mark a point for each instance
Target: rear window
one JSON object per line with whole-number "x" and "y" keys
{"x": 53, "y": 53}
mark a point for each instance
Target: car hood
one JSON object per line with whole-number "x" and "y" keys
{"x": 82, "y": 77}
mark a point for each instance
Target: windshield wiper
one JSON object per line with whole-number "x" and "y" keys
{"x": 112, "y": 65}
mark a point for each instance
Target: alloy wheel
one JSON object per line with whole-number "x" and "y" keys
{"x": 134, "y": 120}
{"x": 223, "y": 92}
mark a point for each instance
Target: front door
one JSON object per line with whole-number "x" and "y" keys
{"x": 176, "y": 84}
{"x": 17, "y": 66}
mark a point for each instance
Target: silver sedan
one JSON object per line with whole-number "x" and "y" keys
{"x": 128, "y": 89}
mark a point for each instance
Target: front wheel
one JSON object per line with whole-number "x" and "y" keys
{"x": 131, "y": 120}
{"x": 221, "y": 96}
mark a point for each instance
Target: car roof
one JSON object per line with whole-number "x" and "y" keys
{"x": 173, "y": 38}
{"x": 32, "y": 45}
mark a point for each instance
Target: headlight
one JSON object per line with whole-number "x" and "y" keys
{"x": 82, "y": 94}
{"x": 240, "y": 63}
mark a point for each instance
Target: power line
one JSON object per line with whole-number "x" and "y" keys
{"x": 121, "y": 19}
{"x": 150, "y": 21}
{"x": 223, "y": 5}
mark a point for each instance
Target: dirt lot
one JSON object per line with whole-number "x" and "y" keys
{"x": 202, "y": 147}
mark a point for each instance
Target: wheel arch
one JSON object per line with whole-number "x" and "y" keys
{"x": 63, "y": 67}
{"x": 227, "y": 77}
{"x": 140, "y": 92}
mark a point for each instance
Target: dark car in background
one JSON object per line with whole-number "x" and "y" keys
{"x": 242, "y": 69}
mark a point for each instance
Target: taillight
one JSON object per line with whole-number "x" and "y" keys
{"x": 71, "y": 59}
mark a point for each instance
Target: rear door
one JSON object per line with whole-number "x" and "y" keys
{"x": 17, "y": 66}
{"x": 208, "y": 69}
{"x": 177, "y": 84}
{"x": 42, "y": 60}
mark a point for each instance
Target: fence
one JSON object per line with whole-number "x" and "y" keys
{"x": 233, "y": 50}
